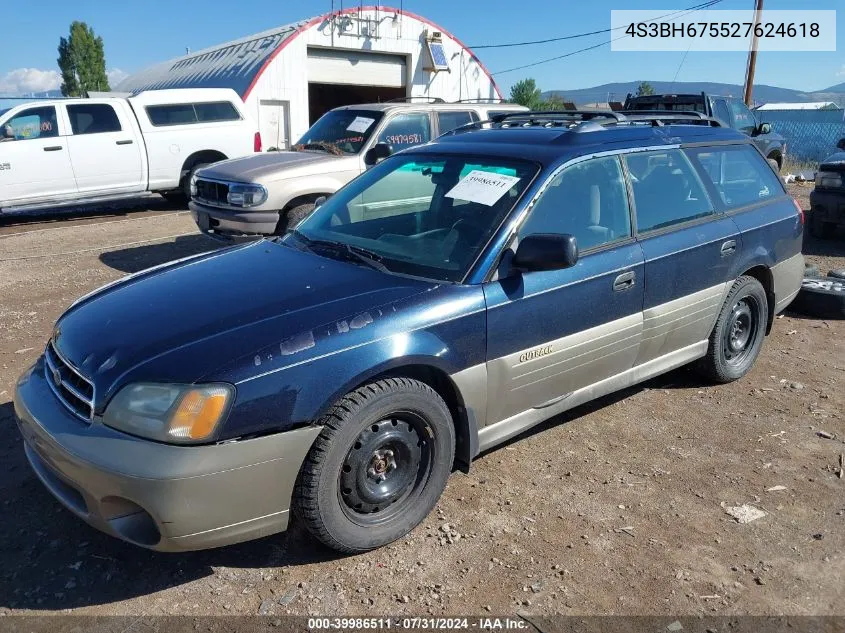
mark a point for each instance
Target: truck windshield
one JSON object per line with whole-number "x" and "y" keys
{"x": 340, "y": 131}
{"x": 427, "y": 215}
{"x": 672, "y": 104}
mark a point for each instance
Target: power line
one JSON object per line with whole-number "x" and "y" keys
{"x": 589, "y": 48}
{"x": 703, "y": 5}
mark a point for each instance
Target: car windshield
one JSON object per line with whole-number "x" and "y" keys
{"x": 340, "y": 131}
{"x": 425, "y": 215}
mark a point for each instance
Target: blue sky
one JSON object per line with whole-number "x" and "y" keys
{"x": 138, "y": 34}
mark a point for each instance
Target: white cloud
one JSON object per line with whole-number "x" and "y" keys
{"x": 116, "y": 75}
{"x": 23, "y": 80}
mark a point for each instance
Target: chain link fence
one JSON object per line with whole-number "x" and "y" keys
{"x": 811, "y": 135}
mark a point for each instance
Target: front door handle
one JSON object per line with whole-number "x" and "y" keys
{"x": 126, "y": 142}
{"x": 624, "y": 281}
{"x": 53, "y": 148}
{"x": 728, "y": 248}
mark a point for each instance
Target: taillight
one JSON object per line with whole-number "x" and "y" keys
{"x": 800, "y": 211}
{"x": 256, "y": 142}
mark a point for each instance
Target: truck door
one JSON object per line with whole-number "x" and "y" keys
{"x": 105, "y": 149}
{"x": 34, "y": 158}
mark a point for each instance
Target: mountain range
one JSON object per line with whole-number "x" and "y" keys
{"x": 762, "y": 92}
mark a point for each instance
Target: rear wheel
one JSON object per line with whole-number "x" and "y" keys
{"x": 737, "y": 337}
{"x": 378, "y": 467}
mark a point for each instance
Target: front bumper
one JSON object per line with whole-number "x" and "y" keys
{"x": 829, "y": 204}
{"x": 229, "y": 223}
{"x": 159, "y": 496}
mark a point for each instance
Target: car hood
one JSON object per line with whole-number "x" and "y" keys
{"x": 180, "y": 322}
{"x": 836, "y": 162}
{"x": 271, "y": 166}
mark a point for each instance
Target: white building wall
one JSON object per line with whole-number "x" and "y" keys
{"x": 285, "y": 78}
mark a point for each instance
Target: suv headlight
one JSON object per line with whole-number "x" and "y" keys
{"x": 831, "y": 179}
{"x": 246, "y": 195}
{"x": 176, "y": 414}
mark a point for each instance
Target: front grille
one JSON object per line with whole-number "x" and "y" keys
{"x": 74, "y": 390}
{"x": 212, "y": 192}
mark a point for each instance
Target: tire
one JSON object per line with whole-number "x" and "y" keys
{"x": 174, "y": 197}
{"x": 290, "y": 218}
{"x": 821, "y": 297}
{"x": 819, "y": 228}
{"x": 775, "y": 165}
{"x": 836, "y": 273}
{"x": 378, "y": 467}
{"x": 737, "y": 337}
{"x": 811, "y": 270}
{"x": 185, "y": 185}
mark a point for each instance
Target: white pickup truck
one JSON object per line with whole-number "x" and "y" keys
{"x": 72, "y": 151}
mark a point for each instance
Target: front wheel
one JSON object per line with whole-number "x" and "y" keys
{"x": 378, "y": 467}
{"x": 737, "y": 337}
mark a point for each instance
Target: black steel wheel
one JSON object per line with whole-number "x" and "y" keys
{"x": 737, "y": 337}
{"x": 378, "y": 467}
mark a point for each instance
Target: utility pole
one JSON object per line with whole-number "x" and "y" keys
{"x": 752, "y": 56}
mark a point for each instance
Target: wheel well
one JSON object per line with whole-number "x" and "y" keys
{"x": 777, "y": 156}
{"x": 764, "y": 276}
{"x": 199, "y": 158}
{"x": 465, "y": 438}
{"x": 308, "y": 198}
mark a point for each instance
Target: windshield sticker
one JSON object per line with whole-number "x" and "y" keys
{"x": 483, "y": 187}
{"x": 361, "y": 124}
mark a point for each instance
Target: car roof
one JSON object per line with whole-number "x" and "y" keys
{"x": 422, "y": 105}
{"x": 550, "y": 145}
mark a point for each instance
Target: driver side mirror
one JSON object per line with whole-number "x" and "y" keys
{"x": 319, "y": 201}
{"x": 764, "y": 128}
{"x": 545, "y": 251}
{"x": 377, "y": 152}
{"x": 841, "y": 144}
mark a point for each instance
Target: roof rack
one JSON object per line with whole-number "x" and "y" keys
{"x": 588, "y": 120}
{"x": 409, "y": 99}
{"x": 483, "y": 100}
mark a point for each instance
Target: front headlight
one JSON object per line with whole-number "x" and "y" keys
{"x": 194, "y": 186}
{"x": 177, "y": 414}
{"x": 830, "y": 179}
{"x": 246, "y": 195}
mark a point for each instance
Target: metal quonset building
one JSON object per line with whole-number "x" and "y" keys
{"x": 289, "y": 76}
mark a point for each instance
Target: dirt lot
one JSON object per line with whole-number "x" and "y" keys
{"x": 616, "y": 508}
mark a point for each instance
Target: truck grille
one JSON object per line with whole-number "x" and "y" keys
{"x": 216, "y": 193}
{"x": 70, "y": 387}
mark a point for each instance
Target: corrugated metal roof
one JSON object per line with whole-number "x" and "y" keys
{"x": 231, "y": 65}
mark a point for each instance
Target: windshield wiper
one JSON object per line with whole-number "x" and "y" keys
{"x": 353, "y": 253}
{"x": 323, "y": 146}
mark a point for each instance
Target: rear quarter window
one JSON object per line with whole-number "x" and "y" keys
{"x": 738, "y": 173}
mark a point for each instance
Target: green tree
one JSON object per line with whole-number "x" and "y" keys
{"x": 82, "y": 61}
{"x": 645, "y": 89}
{"x": 525, "y": 92}
{"x": 554, "y": 102}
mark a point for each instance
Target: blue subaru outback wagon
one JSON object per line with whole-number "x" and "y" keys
{"x": 446, "y": 300}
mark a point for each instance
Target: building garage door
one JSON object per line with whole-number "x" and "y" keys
{"x": 356, "y": 68}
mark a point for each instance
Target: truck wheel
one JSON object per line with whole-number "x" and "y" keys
{"x": 378, "y": 467}
{"x": 738, "y": 334}
{"x": 819, "y": 228}
{"x": 775, "y": 165}
{"x": 289, "y": 218}
{"x": 821, "y": 297}
{"x": 185, "y": 185}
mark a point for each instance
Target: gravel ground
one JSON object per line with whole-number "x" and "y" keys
{"x": 618, "y": 507}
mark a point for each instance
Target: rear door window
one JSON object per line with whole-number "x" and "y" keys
{"x": 406, "y": 130}
{"x": 449, "y": 120}
{"x": 739, "y": 174}
{"x": 667, "y": 189}
{"x": 93, "y": 118}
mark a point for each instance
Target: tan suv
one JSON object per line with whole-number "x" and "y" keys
{"x": 264, "y": 194}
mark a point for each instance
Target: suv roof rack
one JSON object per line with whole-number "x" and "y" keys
{"x": 484, "y": 100}
{"x": 409, "y": 99}
{"x": 589, "y": 120}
